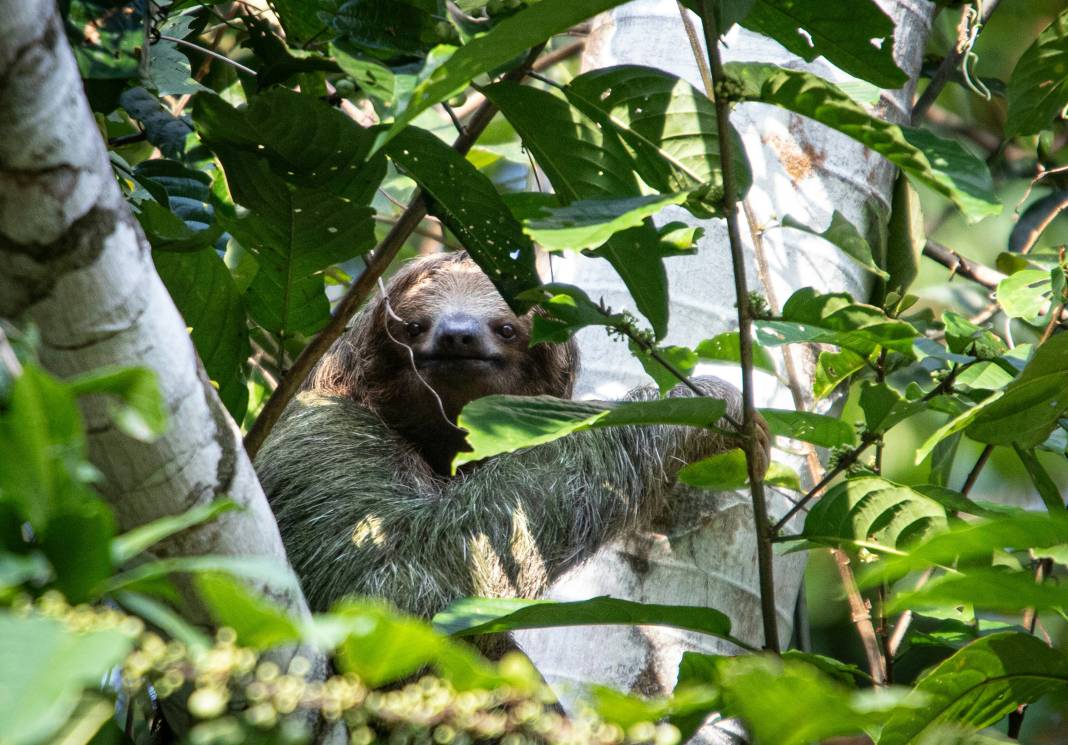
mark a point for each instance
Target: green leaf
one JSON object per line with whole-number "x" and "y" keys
{"x": 381, "y": 647}
{"x": 504, "y": 424}
{"x": 818, "y": 429}
{"x": 987, "y": 589}
{"x": 883, "y": 407}
{"x": 590, "y": 222}
{"x": 1025, "y": 294}
{"x": 724, "y": 471}
{"x": 569, "y": 309}
{"x": 874, "y": 513}
{"x": 1032, "y": 404}
{"x": 782, "y": 476}
{"x": 268, "y": 571}
{"x": 505, "y": 41}
{"x": 300, "y": 19}
{"x": 845, "y": 34}
{"x": 964, "y": 337}
{"x": 208, "y": 299}
{"x": 259, "y": 623}
{"x": 682, "y": 359}
{"x": 979, "y": 685}
{"x": 788, "y": 702}
{"x": 846, "y": 237}
{"x": 1038, "y": 88}
{"x": 299, "y": 167}
{"x": 975, "y": 541}
{"x": 162, "y": 128}
{"x": 77, "y": 542}
{"x": 835, "y": 319}
{"x": 1044, "y": 484}
{"x": 165, "y": 619}
{"x": 942, "y": 165}
{"x": 669, "y": 126}
{"x": 140, "y": 539}
{"x": 906, "y": 235}
{"x": 468, "y": 203}
{"x": 141, "y": 413}
{"x": 832, "y": 368}
{"x": 687, "y": 704}
{"x": 43, "y": 442}
{"x": 726, "y": 347}
{"x": 957, "y": 424}
{"x": 585, "y": 161}
{"x": 478, "y": 616}
{"x": 44, "y": 667}
{"x": 392, "y": 28}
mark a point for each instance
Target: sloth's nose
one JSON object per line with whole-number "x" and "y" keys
{"x": 458, "y": 333}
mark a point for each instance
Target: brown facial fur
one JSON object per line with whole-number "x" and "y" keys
{"x": 462, "y": 349}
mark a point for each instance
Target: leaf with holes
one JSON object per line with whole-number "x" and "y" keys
{"x": 468, "y": 203}
{"x": 498, "y": 46}
{"x": 590, "y": 222}
{"x": 846, "y": 34}
{"x": 669, "y": 126}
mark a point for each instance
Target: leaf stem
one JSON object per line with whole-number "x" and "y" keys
{"x": 376, "y": 264}
{"x": 745, "y": 341}
{"x": 949, "y": 65}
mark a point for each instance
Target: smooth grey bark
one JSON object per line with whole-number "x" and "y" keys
{"x": 74, "y": 262}
{"x": 704, "y": 551}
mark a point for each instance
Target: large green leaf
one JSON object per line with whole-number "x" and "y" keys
{"x": 503, "y": 43}
{"x": 1001, "y": 591}
{"x": 259, "y": 623}
{"x": 724, "y": 471}
{"x": 207, "y": 297}
{"x": 139, "y": 539}
{"x": 503, "y": 424}
{"x": 468, "y": 203}
{"x": 726, "y": 347}
{"x": 1038, "y": 88}
{"x": 1025, "y": 294}
{"x": 585, "y": 161}
{"x": 669, "y": 125}
{"x": 183, "y": 219}
{"x": 44, "y": 667}
{"x": 835, "y": 319}
{"x": 844, "y": 33}
{"x": 789, "y": 702}
{"x": 979, "y": 685}
{"x": 477, "y": 616}
{"x": 135, "y": 403}
{"x": 825, "y": 431}
{"x": 975, "y": 542}
{"x": 1032, "y": 404}
{"x": 873, "y": 513}
{"x": 591, "y": 222}
{"x": 299, "y": 167}
{"x": 942, "y": 165}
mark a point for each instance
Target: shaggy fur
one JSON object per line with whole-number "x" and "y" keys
{"x": 362, "y": 511}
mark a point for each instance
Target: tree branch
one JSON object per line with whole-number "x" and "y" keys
{"x": 745, "y": 341}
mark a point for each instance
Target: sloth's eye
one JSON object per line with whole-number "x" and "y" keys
{"x": 507, "y": 331}
{"x": 414, "y": 328}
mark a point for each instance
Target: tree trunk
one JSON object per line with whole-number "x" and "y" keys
{"x": 73, "y": 261}
{"x": 704, "y": 552}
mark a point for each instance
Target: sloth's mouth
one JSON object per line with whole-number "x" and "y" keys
{"x": 447, "y": 361}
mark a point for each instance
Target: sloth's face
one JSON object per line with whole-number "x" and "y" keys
{"x": 465, "y": 341}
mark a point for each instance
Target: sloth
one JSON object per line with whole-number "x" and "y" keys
{"x": 357, "y": 469}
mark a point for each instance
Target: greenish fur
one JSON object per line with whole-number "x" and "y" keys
{"x": 508, "y": 527}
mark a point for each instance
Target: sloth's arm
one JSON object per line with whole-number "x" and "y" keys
{"x": 360, "y": 514}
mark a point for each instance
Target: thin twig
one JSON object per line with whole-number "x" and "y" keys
{"x": 376, "y": 264}
{"x": 386, "y": 220}
{"x": 209, "y": 52}
{"x": 949, "y": 64}
{"x": 745, "y": 341}
{"x": 1038, "y": 230}
{"x": 958, "y": 265}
